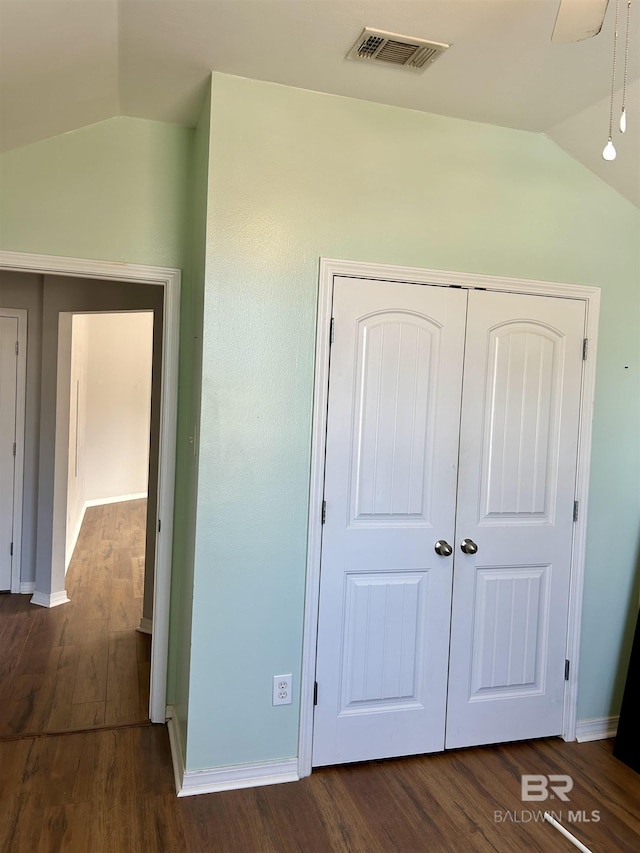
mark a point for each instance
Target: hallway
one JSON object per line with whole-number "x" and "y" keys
{"x": 83, "y": 664}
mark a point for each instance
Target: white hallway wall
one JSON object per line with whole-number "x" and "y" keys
{"x": 110, "y": 405}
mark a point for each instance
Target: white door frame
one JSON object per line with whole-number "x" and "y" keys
{"x": 18, "y": 478}
{"x": 329, "y": 268}
{"x": 169, "y": 280}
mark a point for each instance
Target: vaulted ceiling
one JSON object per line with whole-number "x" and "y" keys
{"x": 68, "y": 63}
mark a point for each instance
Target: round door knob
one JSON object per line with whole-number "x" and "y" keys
{"x": 468, "y": 546}
{"x": 442, "y": 548}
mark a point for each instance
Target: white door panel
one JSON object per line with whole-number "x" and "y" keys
{"x": 516, "y": 488}
{"x": 452, "y": 414}
{"x": 391, "y": 460}
{"x": 8, "y": 391}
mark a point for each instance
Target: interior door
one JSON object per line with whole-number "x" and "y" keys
{"x": 516, "y": 491}
{"x": 452, "y": 415}
{"x": 390, "y": 484}
{"x": 8, "y": 391}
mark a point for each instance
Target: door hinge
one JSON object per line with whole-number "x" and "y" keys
{"x": 159, "y": 525}
{"x": 332, "y": 330}
{"x": 324, "y": 511}
{"x": 17, "y": 347}
{"x": 14, "y": 448}
{"x": 585, "y": 349}
{"x": 315, "y": 693}
{"x": 576, "y": 510}
{"x": 11, "y": 550}
{"x": 566, "y": 670}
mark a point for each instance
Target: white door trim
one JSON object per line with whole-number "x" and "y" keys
{"x": 18, "y": 481}
{"x": 169, "y": 279}
{"x": 329, "y": 268}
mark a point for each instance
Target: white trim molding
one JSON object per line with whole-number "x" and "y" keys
{"x": 51, "y": 599}
{"x": 329, "y": 269}
{"x": 238, "y": 776}
{"x": 599, "y": 728}
{"x": 146, "y": 625}
{"x": 169, "y": 280}
{"x": 115, "y": 500}
{"x": 191, "y": 782}
{"x": 27, "y": 587}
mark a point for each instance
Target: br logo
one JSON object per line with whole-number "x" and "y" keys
{"x": 537, "y": 787}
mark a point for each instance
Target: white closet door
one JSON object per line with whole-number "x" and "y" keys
{"x": 390, "y": 481}
{"x": 516, "y": 489}
{"x": 8, "y": 390}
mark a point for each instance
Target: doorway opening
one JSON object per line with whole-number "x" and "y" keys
{"x": 107, "y": 580}
{"x": 110, "y": 403}
{"x": 330, "y": 272}
{"x": 50, "y": 480}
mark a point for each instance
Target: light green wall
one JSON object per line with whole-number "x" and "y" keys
{"x": 115, "y": 190}
{"x": 612, "y": 589}
{"x": 296, "y": 175}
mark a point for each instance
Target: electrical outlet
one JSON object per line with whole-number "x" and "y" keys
{"x": 282, "y": 689}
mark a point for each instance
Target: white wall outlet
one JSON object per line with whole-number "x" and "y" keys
{"x": 282, "y": 689}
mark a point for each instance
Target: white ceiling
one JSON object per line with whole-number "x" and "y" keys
{"x": 68, "y": 63}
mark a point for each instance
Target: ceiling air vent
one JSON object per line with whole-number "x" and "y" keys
{"x": 393, "y": 49}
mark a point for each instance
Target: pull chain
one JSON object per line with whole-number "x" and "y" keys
{"x": 623, "y": 114}
{"x": 609, "y": 152}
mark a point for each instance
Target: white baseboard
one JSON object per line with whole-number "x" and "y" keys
{"x": 597, "y": 729}
{"x": 238, "y": 776}
{"x": 115, "y": 500}
{"x": 27, "y": 587}
{"x": 49, "y": 599}
{"x": 190, "y": 782}
{"x": 146, "y": 625}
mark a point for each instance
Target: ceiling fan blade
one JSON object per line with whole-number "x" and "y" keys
{"x": 578, "y": 20}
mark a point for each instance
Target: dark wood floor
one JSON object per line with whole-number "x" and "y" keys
{"x": 81, "y": 664}
{"x": 84, "y": 665}
{"x": 112, "y": 792}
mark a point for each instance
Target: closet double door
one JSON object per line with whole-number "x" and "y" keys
{"x": 450, "y": 476}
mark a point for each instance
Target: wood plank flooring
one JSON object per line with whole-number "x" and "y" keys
{"x": 112, "y": 792}
{"x": 81, "y": 664}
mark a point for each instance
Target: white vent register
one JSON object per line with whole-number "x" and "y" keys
{"x": 393, "y": 49}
